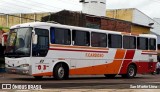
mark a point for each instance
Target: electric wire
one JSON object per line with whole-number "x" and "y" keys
{"x": 21, "y": 6}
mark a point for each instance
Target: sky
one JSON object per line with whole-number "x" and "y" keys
{"x": 149, "y": 7}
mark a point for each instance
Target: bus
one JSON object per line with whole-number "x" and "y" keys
{"x": 46, "y": 49}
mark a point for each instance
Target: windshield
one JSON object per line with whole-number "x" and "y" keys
{"x": 19, "y": 42}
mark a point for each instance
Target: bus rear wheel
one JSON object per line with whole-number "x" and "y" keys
{"x": 60, "y": 72}
{"x": 110, "y": 76}
{"x": 131, "y": 72}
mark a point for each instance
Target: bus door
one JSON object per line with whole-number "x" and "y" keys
{"x": 152, "y": 53}
{"x": 151, "y": 60}
{"x": 40, "y": 49}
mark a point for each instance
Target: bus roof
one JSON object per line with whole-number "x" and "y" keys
{"x": 148, "y": 35}
{"x": 36, "y": 24}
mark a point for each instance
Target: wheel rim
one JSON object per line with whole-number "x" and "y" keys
{"x": 61, "y": 72}
{"x": 131, "y": 71}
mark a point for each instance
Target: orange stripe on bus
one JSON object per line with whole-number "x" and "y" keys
{"x": 119, "y": 54}
{"x": 79, "y": 47}
{"x": 43, "y": 74}
{"x": 149, "y": 51}
{"x": 112, "y": 68}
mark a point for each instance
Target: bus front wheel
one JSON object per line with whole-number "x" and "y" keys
{"x": 60, "y": 72}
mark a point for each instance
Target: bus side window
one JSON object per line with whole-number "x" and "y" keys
{"x": 114, "y": 41}
{"x": 52, "y": 35}
{"x": 129, "y": 42}
{"x": 60, "y": 36}
{"x": 142, "y": 43}
{"x": 80, "y": 38}
{"x": 152, "y": 44}
{"x": 98, "y": 39}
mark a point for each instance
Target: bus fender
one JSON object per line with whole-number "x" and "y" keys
{"x": 59, "y": 61}
{"x": 125, "y": 67}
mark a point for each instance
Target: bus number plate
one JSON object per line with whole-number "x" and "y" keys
{"x": 13, "y": 70}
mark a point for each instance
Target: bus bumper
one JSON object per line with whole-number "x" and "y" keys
{"x": 18, "y": 71}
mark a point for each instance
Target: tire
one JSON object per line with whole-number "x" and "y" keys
{"x": 110, "y": 76}
{"x": 60, "y": 72}
{"x": 131, "y": 72}
{"x": 38, "y": 77}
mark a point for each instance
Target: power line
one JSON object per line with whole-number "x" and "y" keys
{"x": 18, "y": 16}
{"x": 68, "y": 2}
{"x": 22, "y": 6}
{"x": 46, "y": 6}
{"x": 6, "y": 9}
{"x": 156, "y": 1}
{"x": 52, "y": 6}
{"x": 13, "y": 9}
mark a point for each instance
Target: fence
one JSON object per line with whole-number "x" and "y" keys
{"x": 8, "y": 20}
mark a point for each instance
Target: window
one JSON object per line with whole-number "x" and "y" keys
{"x": 41, "y": 48}
{"x": 60, "y": 36}
{"x": 43, "y": 42}
{"x": 152, "y": 44}
{"x": 80, "y": 38}
{"x": 142, "y": 43}
{"x": 43, "y": 39}
{"x": 129, "y": 42}
{"x": 114, "y": 41}
{"x": 98, "y": 39}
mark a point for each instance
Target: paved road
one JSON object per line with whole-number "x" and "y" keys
{"x": 85, "y": 82}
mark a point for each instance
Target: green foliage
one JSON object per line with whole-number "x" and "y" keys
{"x": 1, "y": 28}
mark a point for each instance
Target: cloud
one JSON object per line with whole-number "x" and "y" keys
{"x": 10, "y": 6}
{"x": 149, "y": 7}
{"x": 116, "y": 4}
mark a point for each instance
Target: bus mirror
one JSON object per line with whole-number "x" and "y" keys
{"x": 35, "y": 39}
{"x": 73, "y": 42}
{"x": 3, "y": 41}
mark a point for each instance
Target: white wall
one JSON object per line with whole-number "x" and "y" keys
{"x": 157, "y": 20}
{"x": 94, "y": 7}
{"x": 156, "y": 29}
{"x": 141, "y": 18}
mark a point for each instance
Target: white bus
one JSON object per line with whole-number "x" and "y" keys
{"x": 46, "y": 49}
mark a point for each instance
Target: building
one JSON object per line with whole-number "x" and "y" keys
{"x": 8, "y": 20}
{"x": 138, "y": 17}
{"x": 91, "y": 21}
{"x": 156, "y": 30}
{"x": 135, "y": 16}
